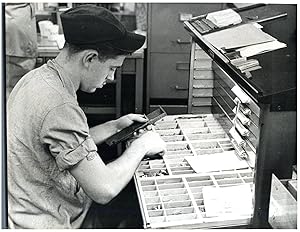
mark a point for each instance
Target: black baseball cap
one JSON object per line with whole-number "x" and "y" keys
{"x": 89, "y": 25}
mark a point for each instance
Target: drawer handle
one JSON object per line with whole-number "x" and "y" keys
{"x": 179, "y": 41}
{"x": 180, "y": 65}
{"x": 180, "y": 88}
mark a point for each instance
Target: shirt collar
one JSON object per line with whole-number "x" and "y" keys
{"x": 63, "y": 76}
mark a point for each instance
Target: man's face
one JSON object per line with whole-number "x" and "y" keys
{"x": 99, "y": 72}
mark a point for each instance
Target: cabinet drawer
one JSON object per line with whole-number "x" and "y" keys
{"x": 169, "y": 75}
{"x": 166, "y": 31}
{"x": 203, "y": 74}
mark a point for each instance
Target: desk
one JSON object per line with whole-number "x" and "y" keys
{"x": 133, "y": 65}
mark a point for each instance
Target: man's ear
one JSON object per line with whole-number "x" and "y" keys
{"x": 89, "y": 56}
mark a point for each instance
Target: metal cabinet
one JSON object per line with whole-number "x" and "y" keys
{"x": 168, "y": 52}
{"x": 170, "y": 75}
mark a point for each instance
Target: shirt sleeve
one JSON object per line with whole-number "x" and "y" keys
{"x": 66, "y": 134}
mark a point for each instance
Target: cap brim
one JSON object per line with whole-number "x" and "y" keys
{"x": 130, "y": 43}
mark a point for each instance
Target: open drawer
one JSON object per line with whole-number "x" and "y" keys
{"x": 170, "y": 191}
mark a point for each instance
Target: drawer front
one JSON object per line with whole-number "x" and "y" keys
{"x": 224, "y": 98}
{"x": 169, "y": 75}
{"x": 166, "y": 31}
{"x": 228, "y": 83}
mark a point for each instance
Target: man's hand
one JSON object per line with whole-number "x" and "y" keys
{"x": 128, "y": 119}
{"x": 151, "y": 142}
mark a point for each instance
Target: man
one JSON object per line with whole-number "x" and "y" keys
{"x": 54, "y": 170}
{"x": 21, "y": 41}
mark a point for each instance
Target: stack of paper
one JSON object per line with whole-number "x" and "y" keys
{"x": 227, "y": 160}
{"x": 260, "y": 48}
{"x": 238, "y": 37}
{"x": 224, "y": 18}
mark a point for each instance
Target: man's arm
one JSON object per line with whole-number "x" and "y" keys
{"x": 103, "y": 131}
{"x": 103, "y": 182}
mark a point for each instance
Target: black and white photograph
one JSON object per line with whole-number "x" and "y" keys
{"x": 148, "y": 115}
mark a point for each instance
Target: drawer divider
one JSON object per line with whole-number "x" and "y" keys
{"x": 199, "y": 215}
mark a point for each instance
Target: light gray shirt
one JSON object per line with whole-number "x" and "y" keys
{"x": 47, "y": 135}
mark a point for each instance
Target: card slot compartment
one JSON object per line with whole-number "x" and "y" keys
{"x": 147, "y": 182}
{"x": 149, "y": 188}
{"x": 229, "y": 181}
{"x": 156, "y": 213}
{"x": 150, "y": 194}
{"x": 170, "y": 186}
{"x": 151, "y": 162}
{"x": 219, "y": 135}
{"x": 145, "y": 167}
{"x": 173, "y": 138}
{"x": 177, "y": 204}
{"x": 192, "y": 124}
{"x": 169, "y": 181}
{"x": 177, "y": 147}
{"x": 177, "y": 158}
{"x": 175, "y": 169}
{"x": 154, "y": 206}
{"x": 201, "y": 183}
{"x": 157, "y": 219}
{"x": 181, "y": 217}
{"x": 170, "y": 192}
{"x": 152, "y": 200}
{"x": 180, "y": 211}
{"x": 226, "y": 176}
{"x": 206, "y": 145}
{"x": 169, "y": 132}
{"x": 172, "y": 198}
{"x": 197, "y": 189}
{"x": 181, "y": 164}
{"x": 204, "y": 130}
{"x": 165, "y": 126}
{"x": 159, "y": 166}
{"x": 183, "y": 172}
{"x": 208, "y": 151}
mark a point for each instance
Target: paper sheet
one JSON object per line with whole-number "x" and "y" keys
{"x": 228, "y": 200}
{"x": 237, "y": 37}
{"x": 261, "y": 48}
{"x": 226, "y": 160}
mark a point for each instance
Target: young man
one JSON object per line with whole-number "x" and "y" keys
{"x": 54, "y": 170}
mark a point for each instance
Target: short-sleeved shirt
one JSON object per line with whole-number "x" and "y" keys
{"x": 47, "y": 135}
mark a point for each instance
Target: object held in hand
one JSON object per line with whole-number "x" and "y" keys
{"x": 128, "y": 132}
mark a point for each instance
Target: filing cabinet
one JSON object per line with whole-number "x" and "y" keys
{"x": 168, "y": 53}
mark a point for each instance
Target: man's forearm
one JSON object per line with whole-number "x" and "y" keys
{"x": 103, "y": 131}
